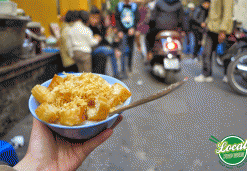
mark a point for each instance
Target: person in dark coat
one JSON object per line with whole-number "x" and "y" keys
{"x": 219, "y": 24}
{"x": 198, "y": 17}
{"x": 167, "y": 15}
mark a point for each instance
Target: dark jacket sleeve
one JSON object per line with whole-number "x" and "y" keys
{"x": 153, "y": 17}
{"x": 137, "y": 17}
{"x": 184, "y": 20}
{"x": 115, "y": 44}
{"x": 117, "y": 17}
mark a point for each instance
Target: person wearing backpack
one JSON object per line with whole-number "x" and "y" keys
{"x": 127, "y": 17}
{"x": 167, "y": 15}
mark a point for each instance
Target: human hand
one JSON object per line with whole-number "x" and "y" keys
{"x": 49, "y": 151}
{"x": 117, "y": 39}
{"x": 183, "y": 34}
{"x": 131, "y": 31}
{"x": 118, "y": 53}
{"x": 138, "y": 34}
{"x": 98, "y": 37}
{"x": 203, "y": 24}
{"x": 221, "y": 37}
{"x": 120, "y": 34}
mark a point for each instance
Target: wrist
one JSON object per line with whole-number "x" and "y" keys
{"x": 28, "y": 164}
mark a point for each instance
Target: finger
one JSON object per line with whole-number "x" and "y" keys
{"x": 91, "y": 144}
{"x": 119, "y": 119}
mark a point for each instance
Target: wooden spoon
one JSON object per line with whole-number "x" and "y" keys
{"x": 150, "y": 98}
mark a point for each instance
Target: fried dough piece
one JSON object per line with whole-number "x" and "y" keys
{"x": 72, "y": 116}
{"x": 119, "y": 94}
{"x": 41, "y": 94}
{"x": 47, "y": 112}
{"x": 56, "y": 80}
{"x": 99, "y": 111}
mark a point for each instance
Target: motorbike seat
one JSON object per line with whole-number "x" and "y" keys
{"x": 168, "y": 33}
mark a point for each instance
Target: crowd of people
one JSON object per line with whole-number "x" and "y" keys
{"x": 88, "y": 50}
{"x": 89, "y": 39}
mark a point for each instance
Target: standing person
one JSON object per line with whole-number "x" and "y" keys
{"x": 151, "y": 6}
{"x": 142, "y": 27}
{"x": 189, "y": 40}
{"x": 239, "y": 15}
{"x": 219, "y": 24}
{"x": 127, "y": 17}
{"x": 68, "y": 62}
{"x": 199, "y": 16}
{"x": 100, "y": 25}
{"x": 82, "y": 41}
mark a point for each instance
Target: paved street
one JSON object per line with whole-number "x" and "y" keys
{"x": 171, "y": 133}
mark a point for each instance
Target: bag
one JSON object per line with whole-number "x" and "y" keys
{"x": 127, "y": 15}
{"x": 121, "y": 5}
{"x": 199, "y": 15}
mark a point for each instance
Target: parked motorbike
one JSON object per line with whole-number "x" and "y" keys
{"x": 237, "y": 73}
{"x": 237, "y": 68}
{"x": 166, "y": 53}
{"x": 222, "y": 49}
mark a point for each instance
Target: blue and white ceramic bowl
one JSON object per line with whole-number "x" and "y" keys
{"x": 83, "y": 131}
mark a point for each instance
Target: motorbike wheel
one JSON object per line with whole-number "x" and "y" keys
{"x": 237, "y": 78}
{"x": 170, "y": 77}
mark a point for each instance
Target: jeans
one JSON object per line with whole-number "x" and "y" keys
{"x": 105, "y": 51}
{"x": 210, "y": 46}
{"x": 127, "y": 47}
{"x": 189, "y": 44}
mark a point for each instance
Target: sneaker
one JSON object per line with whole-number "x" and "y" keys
{"x": 225, "y": 79}
{"x": 202, "y": 78}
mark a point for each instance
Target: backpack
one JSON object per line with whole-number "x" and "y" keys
{"x": 121, "y": 5}
{"x": 126, "y": 14}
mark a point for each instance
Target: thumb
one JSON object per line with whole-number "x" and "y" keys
{"x": 91, "y": 144}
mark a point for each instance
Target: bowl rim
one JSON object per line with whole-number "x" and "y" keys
{"x": 32, "y": 110}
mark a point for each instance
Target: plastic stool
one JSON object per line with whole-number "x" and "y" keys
{"x": 8, "y": 154}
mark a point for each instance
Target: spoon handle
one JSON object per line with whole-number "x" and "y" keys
{"x": 150, "y": 98}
